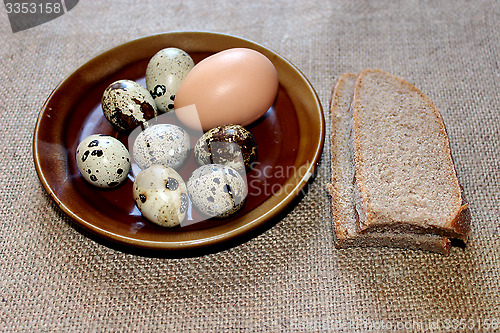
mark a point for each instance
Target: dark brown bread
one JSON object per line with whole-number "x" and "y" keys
{"x": 404, "y": 173}
{"x": 346, "y": 222}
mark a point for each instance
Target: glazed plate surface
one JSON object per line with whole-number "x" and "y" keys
{"x": 289, "y": 136}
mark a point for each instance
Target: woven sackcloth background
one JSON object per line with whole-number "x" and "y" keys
{"x": 288, "y": 277}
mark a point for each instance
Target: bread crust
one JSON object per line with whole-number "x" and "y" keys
{"x": 458, "y": 226}
{"x": 345, "y": 219}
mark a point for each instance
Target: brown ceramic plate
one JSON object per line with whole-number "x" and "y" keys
{"x": 289, "y": 136}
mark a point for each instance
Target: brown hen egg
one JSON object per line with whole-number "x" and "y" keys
{"x": 235, "y": 86}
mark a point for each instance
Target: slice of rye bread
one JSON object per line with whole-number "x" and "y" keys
{"x": 405, "y": 177}
{"x": 346, "y": 223}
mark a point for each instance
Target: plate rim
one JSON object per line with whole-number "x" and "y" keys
{"x": 195, "y": 243}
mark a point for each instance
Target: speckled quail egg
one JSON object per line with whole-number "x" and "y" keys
{"x": 230, "y": 145}
{"x": 161, "y": 195}
{"x": 103, "y": 160}
{"x": 164, "y": 75}
{"x": 165, "y": 144}
{"x": 126, "y": 105}
{"x": 217, "y": 190}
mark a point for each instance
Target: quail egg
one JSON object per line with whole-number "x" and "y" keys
{"x": 164, "y": 75}
{"x": 161, "y": 196}
{"x": 165, "y": 144}
{"x": 230, "y": 145}
{"x": 217, "y": 190}
{"x": 103, "y": 160}
{"x": 126, "y": 105}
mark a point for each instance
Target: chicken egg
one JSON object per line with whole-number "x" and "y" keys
{"x": 234, "y": 86}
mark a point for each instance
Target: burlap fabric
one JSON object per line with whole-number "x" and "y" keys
{"x": 288, "y": 276}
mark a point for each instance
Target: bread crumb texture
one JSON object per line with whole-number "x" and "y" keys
{"x": 404, "y": 172}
